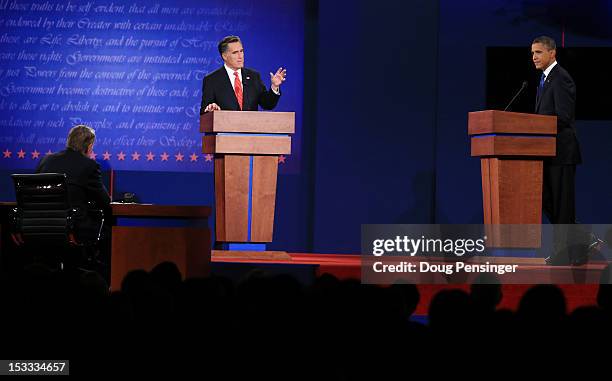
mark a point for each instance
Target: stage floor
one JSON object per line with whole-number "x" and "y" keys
{"x": 349, "y": 267}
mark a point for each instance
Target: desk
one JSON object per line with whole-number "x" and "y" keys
{"x": 143, "y": 247}
{"x": 142, "y": 244}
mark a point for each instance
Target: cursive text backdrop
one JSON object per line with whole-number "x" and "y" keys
{"x": 133, "y": 71}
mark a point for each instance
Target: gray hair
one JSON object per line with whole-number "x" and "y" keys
{"x": 80, "y": 137}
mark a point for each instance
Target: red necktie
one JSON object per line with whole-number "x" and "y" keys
{"x": 238, "y": 88}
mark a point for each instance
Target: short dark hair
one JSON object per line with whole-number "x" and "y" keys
{"x": 546, "y": 41}
{"x": 80, "y": 137}
{"x": 225, "y": 42}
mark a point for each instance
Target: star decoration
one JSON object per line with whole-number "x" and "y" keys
{"x": 135, "y": 156}
{"x": 164, "y": 156}
{"x": 7, "y": 153}
{"x": 150, "y": 156}
{"x": 106, "y": 155}
{"x": 179, "y": 156}
{"x": 35, "y": 154}
{"x": 49, "y": 152}
{"x": 93, "y": 155}
{"x": 21, "y": 154}
{"x": 208, "y": 157}
{"x": 193, "y": 157}
{"x": 121, "y": 156}
{"x": 281, "y": 159}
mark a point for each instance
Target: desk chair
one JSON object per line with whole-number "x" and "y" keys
{"x": 45, "y": 223}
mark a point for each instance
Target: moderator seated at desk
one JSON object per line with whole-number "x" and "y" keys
{"x": 143, "y": 243}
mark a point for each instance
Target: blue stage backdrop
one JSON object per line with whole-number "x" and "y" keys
{"x": 133, "y": 71}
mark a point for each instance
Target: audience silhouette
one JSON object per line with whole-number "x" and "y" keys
{"x": 159, "y": 315}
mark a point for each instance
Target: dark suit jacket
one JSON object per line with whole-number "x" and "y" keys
{"x": 559, "y": 98}
{"x": 83, "y": 177}
{"x": 217, "y": 88}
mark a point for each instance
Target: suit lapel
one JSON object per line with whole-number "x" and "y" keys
{"x": 547, "y": 84}
{"x": 246, "y": 87}
{"x": 228, "y": 89}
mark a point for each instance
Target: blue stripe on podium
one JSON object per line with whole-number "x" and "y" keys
{"x": 244, "y": 246}
{"x": 250, "y": 210}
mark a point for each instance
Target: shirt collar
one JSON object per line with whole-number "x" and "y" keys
{"x": 230, "y": 72}
{"x": 549, "y": 68}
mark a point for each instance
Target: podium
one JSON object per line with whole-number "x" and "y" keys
{"x": 246, "y": 147}
{"x": 511, "y": 147}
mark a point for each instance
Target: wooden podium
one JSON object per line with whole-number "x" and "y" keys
{"x": 512, "y": 147}
{"x": 246, "y": 145}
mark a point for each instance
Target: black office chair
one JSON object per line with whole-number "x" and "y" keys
{"x": 45, "y": 222}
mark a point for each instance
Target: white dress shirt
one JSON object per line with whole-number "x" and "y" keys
{"x": 230, "y": 73}
{"x": 548, "y": 69}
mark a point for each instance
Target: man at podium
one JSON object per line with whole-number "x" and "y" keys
{"x": 556, "y": 95}
{"x": 234, "y": 87}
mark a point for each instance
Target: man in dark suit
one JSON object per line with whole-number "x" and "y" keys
{"x": 556, "y": 95}
{"x": 83, "y": 177}
{"x": 234, "y": 87}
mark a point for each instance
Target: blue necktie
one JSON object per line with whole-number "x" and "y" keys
{"x": 541, "y": 87}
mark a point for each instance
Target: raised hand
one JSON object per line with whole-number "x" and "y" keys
{"x": 278, "y": 78}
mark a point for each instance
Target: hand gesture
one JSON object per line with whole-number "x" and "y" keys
{"x": 278, "y": 78}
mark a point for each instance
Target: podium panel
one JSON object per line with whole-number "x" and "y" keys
{"x": 512, "y": 147}
{"x": 246, "y": 145}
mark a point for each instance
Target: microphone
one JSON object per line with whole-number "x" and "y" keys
{"x": 523, "y": 86}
